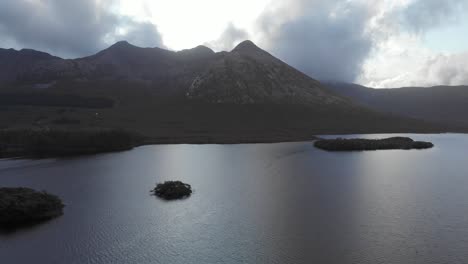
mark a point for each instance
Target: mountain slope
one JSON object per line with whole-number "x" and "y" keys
{"x": 441, "y": 104}
{"x": 250, "y": 75}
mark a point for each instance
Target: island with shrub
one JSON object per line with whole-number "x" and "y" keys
{"x": 25, "y": 206}
{"x": 358, "y": 144}
{"x": 172, "y": 190}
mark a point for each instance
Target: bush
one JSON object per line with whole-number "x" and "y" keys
{"x": 20, "y": 206}
{"x": 171, "y": 190}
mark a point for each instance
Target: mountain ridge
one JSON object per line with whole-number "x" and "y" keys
{"x": 246, "y": 74}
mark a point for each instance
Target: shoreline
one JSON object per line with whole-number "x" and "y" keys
{"x": 198, "y": 141}
{"x": 220, "y": 140}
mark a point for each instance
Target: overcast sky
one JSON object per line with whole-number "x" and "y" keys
{"x": 378, "y": 43}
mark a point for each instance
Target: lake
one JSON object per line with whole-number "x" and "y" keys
{"x": 252, "y": 203}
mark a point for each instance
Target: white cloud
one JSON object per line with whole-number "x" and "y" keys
{"x": 229, "y": 38}
{"x": 401, "y": 57}
{"x": 187, "y": 23}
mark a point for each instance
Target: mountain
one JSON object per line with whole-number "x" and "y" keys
{"x": 441, "y": 104}
{"x": 249, "y": 74}
{"x": 246, "y": 75}
{"x": 194, "y": 95}
{"x": 15, "y": 64}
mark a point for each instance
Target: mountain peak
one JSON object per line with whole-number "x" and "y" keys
{"x": 120, "y": 47}
{"x": 204, "y": 50}
{"x": 248, "y": 48}
{"x": 202, "y": 47}
{"x": 246, "y": 45}
{"x": 197, "y": 52}
{"x": 199, "y": 49}
{"x": 121, "y": 44}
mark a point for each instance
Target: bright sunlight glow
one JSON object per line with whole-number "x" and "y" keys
{"x": 187, "y": 23}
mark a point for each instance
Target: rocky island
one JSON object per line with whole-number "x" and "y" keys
{"x": 25, "y": 206}
{"x": 342, "y": 144}
{"x": 172, "y": 190}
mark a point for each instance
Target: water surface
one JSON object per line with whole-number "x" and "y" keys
{"x": 253, "y": 203}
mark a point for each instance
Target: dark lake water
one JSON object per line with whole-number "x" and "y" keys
{"x": 254, "y": 203}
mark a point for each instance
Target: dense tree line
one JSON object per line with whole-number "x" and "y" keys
{"x": 54, "y": 100}
{"x": 43, "y": 143}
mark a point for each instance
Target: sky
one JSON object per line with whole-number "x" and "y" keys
{"x": 377, "y": 43}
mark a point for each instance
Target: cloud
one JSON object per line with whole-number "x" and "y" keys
{"x": 325, "y": 39}
{"x": 447, "y": 69}
{"x": 404, "y": 61}
{"x": 70, "y": 28}
{"x": 400, "y": 56}
{"x": 230, "y": 37}
{"x": 422, "y": 15}
{"x": 376, "y": 43}
{"x": 439, "y": 70}
{"x": 143, "y": 34}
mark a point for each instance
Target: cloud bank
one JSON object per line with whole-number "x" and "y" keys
{"x": 325, "y": 39}
{"x": 423, "y": 15}
{"x": 374, "y": 43}
{"x": 70, "y": 28}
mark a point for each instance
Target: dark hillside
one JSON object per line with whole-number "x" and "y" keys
{"x": 442, "y": 104}
{"x": 190, "y": 96}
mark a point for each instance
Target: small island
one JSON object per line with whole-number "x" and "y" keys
{"x": 25, "y": 206}
{"x": 172, "y": 190}
{"x": 342, "y": 144}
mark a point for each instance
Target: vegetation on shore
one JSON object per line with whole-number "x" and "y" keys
{"x": 171, "y": 190}
{"x": 39, "y": 98}
{"x": 24, "y": 206}
{"x": 342, "y": 144}
{"x": 53, "y": 143}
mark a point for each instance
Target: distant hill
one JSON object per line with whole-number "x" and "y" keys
{"x": 195, "y": 95}
{"x": 441, "y": 104}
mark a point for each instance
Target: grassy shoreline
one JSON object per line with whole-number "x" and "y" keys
{"x": 30, "y": 143}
